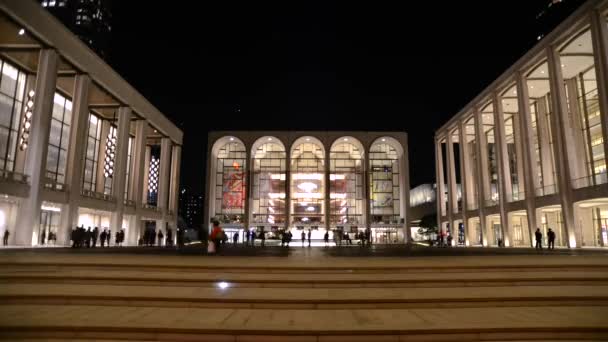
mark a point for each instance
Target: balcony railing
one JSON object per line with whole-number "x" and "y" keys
{"x": 129, "y": 203}
{"x": 10, "y": 176}
{"x": 583, "y": 182}
{"x": 98, "y": 195}
{"x": 546, "y": 190}
{"x": 517, "y": 196}
{"x": 491, "y": 202}
{"x": 53, "y": 185}
{"x": 151, "y": 207}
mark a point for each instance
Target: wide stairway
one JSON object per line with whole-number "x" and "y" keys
{"x": 85, "y": 297}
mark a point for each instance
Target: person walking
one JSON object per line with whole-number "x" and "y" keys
{"x": 216, "y": 235}
{"x": 262, "y": 237}
{"x": 95, "y": 236}
{"x": 303, "y": 238}
{"x": 160, "y": 237}
{"x": 88, "y": 236}
{"x": 235, "y": 238}
{"x": 309, "y": 235}
{"x": 247, "y": 237}
{"x": 5, "y": 238}
{"x": 108, "y": 237}
{"x": 326, "y": 238}
{"x": 43, "y": 237}
{"x": 539, "y": 239}
{"x": 102, "y": 238}
{"x": 169, "y": 237}
{"x": 551, "y": 239}
{"x": 253, "y": 236}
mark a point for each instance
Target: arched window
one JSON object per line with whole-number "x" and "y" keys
{"x": 346, "y": 182}
{"x": 307, "y": 182}
{"x": 230, "y": 187}
{"x": 268, "y": 182}
{"x": 385, "y": 191}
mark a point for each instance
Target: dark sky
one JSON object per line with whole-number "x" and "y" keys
{"x": 316, "y": 65}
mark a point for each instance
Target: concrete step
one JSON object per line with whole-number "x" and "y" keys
{"x": 188, "y": 324}
{"x": 312, "y": 298}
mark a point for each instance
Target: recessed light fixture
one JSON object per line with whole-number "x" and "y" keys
{"x": 345, "y": 139}
{"x": 269, "y": 139}
{"x": 383, "y": 139}
{"x": 231, "y": 139}
{"x": 21, "y": 32}
{"x": 223, "y": 285}
{"x": 307, "y": 139}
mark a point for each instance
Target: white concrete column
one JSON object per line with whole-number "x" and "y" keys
{"x": 452, "y": 189}
{"x": 482, "y": 166}
{"x": 565, "y": 153}
{"x": 519, "y": 150}
{"x": 287, "y": 189}
{"x": 404, "y": 174}
{"x": 440, "y": 196}
{"x": 75, "y": 157}
{"x": 101, "y": 155}
{"x": 505, "y": 188}
{"x": 528, "y": 156}
{"x": 136, "y": 175}
{"x": 145, "y": 189}
{"x": 248, "y": 188}
{"x": 327, "y": 188}
{"x": 176, "y": 157}
{"x": 575, "y": 126}
{"x": 35, "y": 163}
{"x": 546, "y": 158}
{"x": 465, "y": 181}
{"x": 120, "y": 167}
{"x": 164, "y": 175}
{"x": 599, "y": 31}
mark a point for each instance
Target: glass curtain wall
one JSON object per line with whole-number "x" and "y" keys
{"x": 268, "y": 184}
{"x": 12, "y": 93}
{"x": 346, "y": 184}
{"x": 308, "y": 184}
{"x": 384, "y": 184}
{"x": 230, "y": 192}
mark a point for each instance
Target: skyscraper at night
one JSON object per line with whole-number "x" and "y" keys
{"x": 89, "y": 20}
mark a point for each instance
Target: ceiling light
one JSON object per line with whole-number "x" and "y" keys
{"x": 269, "y": 139}
{"x": 345, "y": 139}
{"x": 307, "y": 139}
{"x": 383, "y": 139}
{"x": 21, "y": 32}
{"x": 223, "y": 285}
{"x": 231, "y": 139}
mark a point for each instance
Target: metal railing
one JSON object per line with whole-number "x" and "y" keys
{"x": 151, "y": 207}
{"x": 15, "y": 177}
{"x": 98, "y": 195}
{"x": 583, "y": 182}
{"x": 53, "y": 185}
{"x": 129, "y": 203}
{"x": 517, "y": 196}
{"x": 546, "y": 190}
{"x": 491, "y": 202}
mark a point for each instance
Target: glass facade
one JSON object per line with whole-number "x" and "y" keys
{"x": 12, "y": 93}
{"x": 580, "y": 83}
{"x": 268, "y": 183}
{"x": 471, "y": 167}
{"x": 128, "y": 170}
{"x": 539, "y": 93}
{"x": 308, "y": 184}
{"x": 92, "y": 153}
{"x": 489, "y": 130}
{"x": 59, "y": 139}
{"x": 510, "y": 109}
{"x": 346, "y": 184}
{"x": 230, "y": 187}
{"x": 384, "y": 184}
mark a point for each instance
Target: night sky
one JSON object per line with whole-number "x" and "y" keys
{"x": 316, "y": 66}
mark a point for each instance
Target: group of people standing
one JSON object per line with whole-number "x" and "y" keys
{"x": 151, "y": 238}
{"x": 89, "y": 237}
{"x": 538, "y": 235}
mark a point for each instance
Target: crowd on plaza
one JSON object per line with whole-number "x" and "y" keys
{"x": 151, "y": 238}
{"x": 88, "y": 238}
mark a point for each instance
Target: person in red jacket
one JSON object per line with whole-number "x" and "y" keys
{"x": 216, "y": 235}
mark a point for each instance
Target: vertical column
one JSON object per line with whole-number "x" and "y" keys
{"x": 482, "y": 165}
{"x": 452, "y": 189}
{"x": 565, "y": 154}
{"x": 287, "y": 188}
{"x": 464, "y": 177}
{"x": 327, "y": 187}
{"x": 505, "y": 188}
{"x": 544, "y": 144}
{"x": 528, "y": 156}
{"x": 120, "y": 168}
{"x": 35, "y": 163}
{"x": 405, "y": 190}
{"x": 20, "y": 155}
{"x": 164, "y": 175}
{"x": 176, "y": 156}
{"x": 137, "y": 174}
{"x": 101, "y": 154}
{"x": 248, "y": 164}
{"x": 144, "y": 189}
{"x": 599, "y": 31}
{"x": 74, "y": 164}
{"x": 439, "y": 182}
{"x": 368, "y": 196}
{"x": 519, "y": 150}
{"x": 574, "y": 124}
